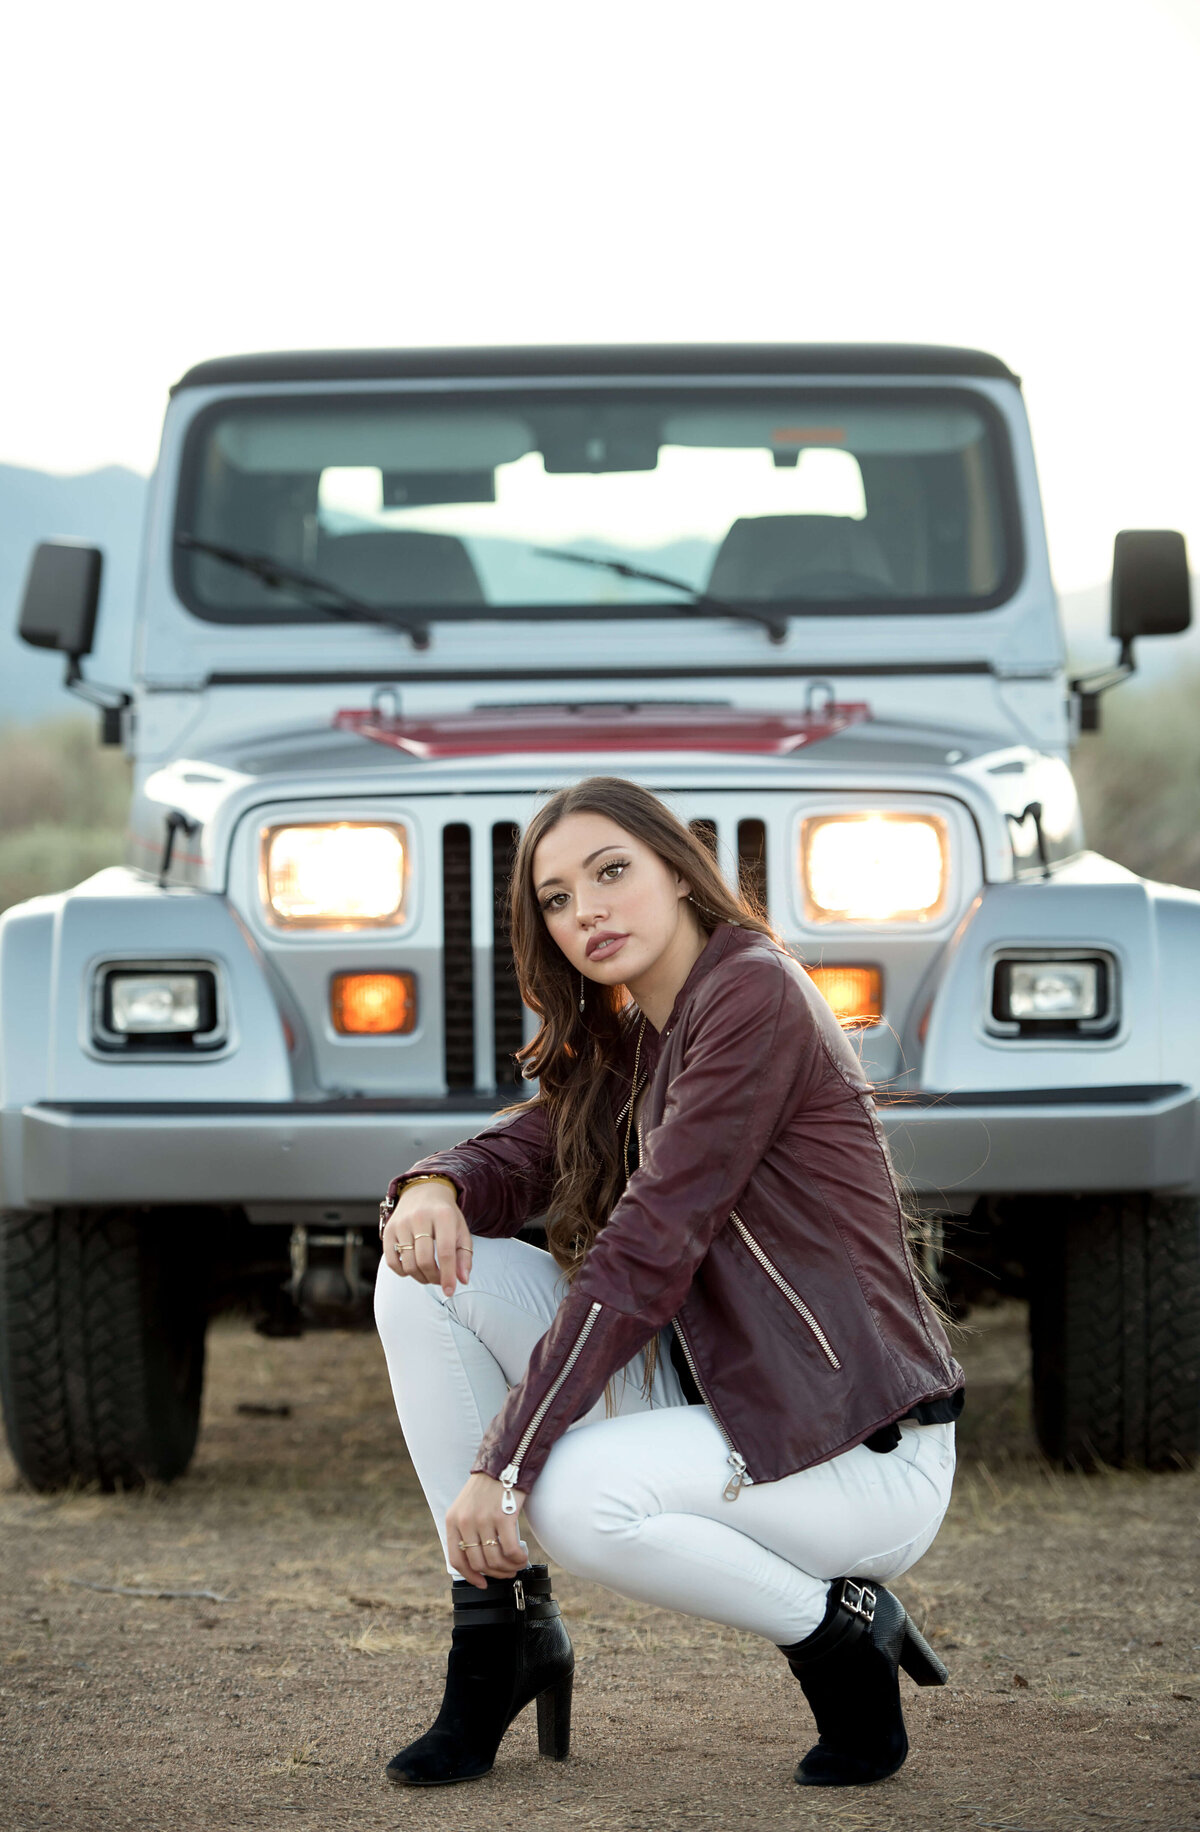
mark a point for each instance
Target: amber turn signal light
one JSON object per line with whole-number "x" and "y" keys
{"x": 374, "y": 1004}
{"x": 855, "y": 993}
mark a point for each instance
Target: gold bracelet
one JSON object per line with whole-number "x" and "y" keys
{"x": 387, "y": 1209}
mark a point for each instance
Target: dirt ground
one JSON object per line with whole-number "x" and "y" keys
{"x": 1067, "y": 1608}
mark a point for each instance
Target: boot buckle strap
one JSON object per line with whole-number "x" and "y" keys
{"x": 859, "y": 1600}
{"x": 541, "y": 1609}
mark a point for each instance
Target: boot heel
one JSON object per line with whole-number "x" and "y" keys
{"x": 554, "y": 1719}
{"x": 918, "y": 1658}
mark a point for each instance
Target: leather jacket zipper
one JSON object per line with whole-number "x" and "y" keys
{"x": 793, "y": 1297}
{"x": 741, "y": 1477}
{"x": 509, "y": 1474}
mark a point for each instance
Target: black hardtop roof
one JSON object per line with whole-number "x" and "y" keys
{"x": 513, "y": 362}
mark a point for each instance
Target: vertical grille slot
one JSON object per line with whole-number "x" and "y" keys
{"x": 752, "y": 863}
{"x": 506, "y": 997}
{"x": 458, "y": 961}
{"x": 706, "y": 833}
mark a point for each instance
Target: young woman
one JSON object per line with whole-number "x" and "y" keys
{"x": 723, "y": 1390}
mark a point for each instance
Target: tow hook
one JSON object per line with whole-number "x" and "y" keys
{"x": 326, "y": 1283}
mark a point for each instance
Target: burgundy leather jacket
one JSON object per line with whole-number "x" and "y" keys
{"x": 762, "y": 1221}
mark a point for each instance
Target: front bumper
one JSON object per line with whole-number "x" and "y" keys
{"x": 249, "y": 1153}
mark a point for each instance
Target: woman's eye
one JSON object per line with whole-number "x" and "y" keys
{"x": 617, "y": 865}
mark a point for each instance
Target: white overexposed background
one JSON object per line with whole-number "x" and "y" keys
{"x": 184, "y": 182}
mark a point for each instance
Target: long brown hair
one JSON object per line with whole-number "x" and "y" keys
{"x": 576, "y": 1055}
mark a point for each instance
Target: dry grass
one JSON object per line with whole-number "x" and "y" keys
{"x": 1063, "y": 1604}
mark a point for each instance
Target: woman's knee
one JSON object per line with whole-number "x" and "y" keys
{"x": 577, "y": 1515}
{"x": 400, "y": 1298}
{"x": 402, "y": 1304}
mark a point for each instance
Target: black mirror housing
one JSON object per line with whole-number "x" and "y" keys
{"x": 1151, "y": 588}
{"x": 62, "y": 593}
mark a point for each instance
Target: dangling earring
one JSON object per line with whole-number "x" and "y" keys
{"x": 581, "y": 989}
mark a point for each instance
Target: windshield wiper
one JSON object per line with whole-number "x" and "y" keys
{"x": 319, "y": 594}
{"x": 704, "y": 601}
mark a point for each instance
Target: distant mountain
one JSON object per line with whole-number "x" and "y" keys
{"x": 103, "y": 507}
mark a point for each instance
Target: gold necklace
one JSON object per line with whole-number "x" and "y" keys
{"x": 637, "y": 1056}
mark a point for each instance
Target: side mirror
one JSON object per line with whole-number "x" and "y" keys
{"x": 62, "y": 593}
{"x": 1151, "y": 589}
{"x": 58, "y": 611}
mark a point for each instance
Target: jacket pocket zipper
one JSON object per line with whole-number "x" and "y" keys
{"x": 509, "y": 1474}
{"x": 741, "y": 1477}
{"x": 793, "y": 1297}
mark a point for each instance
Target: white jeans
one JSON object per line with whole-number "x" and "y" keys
{"x": 634, "y": 1501}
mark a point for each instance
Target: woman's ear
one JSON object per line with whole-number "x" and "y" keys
{"x": 682, "y": 887}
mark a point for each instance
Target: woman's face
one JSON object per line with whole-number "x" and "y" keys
{"x": 602, "y": 890}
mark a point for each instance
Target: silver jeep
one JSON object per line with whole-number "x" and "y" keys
{"x": 387, "y": 600}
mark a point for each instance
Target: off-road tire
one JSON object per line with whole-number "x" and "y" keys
{"x": 1115, "y": 1325}
{"x": 102, "y": 1324}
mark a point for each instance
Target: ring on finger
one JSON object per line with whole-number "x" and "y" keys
{"x": 491, "y": 1542}
{"x": 422, "y": 1236}
{"x": 464, "y": 1545}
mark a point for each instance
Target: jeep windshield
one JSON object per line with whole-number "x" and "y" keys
{"x": 772, "y": 502}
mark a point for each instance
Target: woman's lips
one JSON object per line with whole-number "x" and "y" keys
{"x": 605, "y": 950}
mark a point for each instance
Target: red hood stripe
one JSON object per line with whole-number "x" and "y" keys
{"x": 507, "y": 730}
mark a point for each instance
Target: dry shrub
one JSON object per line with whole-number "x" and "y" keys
{"x": 63, "y": 803}
{"x": 1139, "y": 779}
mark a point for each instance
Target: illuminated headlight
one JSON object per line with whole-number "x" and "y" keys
{"x": 175, "y": 1006}
{"x": 347, "y": 874}
{"x": 1072, "y": 994}
{"x": 873, "y": 867}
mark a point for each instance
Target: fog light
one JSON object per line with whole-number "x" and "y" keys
{"x": 855, "y": 993}
{"x": 374, "y": 1004}
{"x": 1053, "y": 991}
{"x": 173, "y": 1007}
{"x": 171, "y": 1003}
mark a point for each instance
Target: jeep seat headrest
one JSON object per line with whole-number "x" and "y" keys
{"x": 772, "y": 556}
{"x": 399, "y": 567}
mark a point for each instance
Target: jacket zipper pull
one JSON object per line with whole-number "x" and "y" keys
{"x": 739, "y": 1478}
{"x": 518, "y": 1593}
{"x": 508, "y": 1479}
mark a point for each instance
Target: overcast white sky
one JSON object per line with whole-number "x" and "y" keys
{"x": 183, "y": 182}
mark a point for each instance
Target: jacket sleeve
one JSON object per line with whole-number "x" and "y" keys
{"x": 752, "y": 1045}
{"x": 504, "y": 1175}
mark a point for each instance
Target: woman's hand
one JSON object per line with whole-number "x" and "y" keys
{"x": 493, "y": 1547}
{"x": 428, "y": 1223}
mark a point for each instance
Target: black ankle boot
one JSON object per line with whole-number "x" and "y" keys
{"x": 509, "y": 1645}
{"x": 847, "y": 1669}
